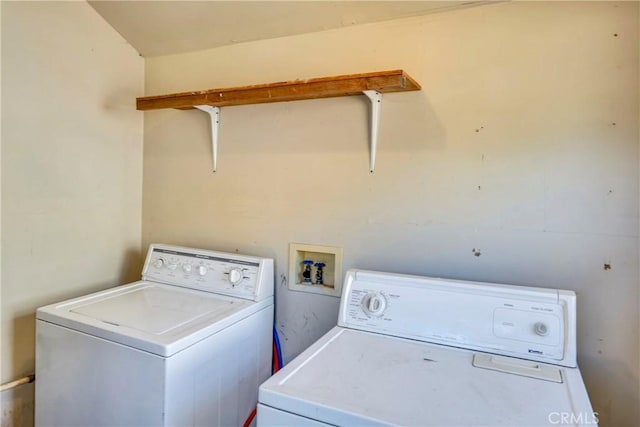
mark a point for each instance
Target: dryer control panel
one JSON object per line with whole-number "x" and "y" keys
{"x": 525, "y": 322}
{"x": 218, "y": 272}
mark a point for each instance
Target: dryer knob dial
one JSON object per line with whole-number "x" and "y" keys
{"x": 235, "y": 276}
{"x": 202, "y": 270}
{"x": 186, "y": 268}
{"x": 374, "y": 304}
{"x": 541, "y": 329}
{"x": 159, "y": 263}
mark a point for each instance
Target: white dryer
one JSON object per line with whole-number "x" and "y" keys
{"x": 419, "y": 351}
{"x": 187, "y": 345}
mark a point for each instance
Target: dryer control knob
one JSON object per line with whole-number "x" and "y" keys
{"x": 202, "y": 270}
{"x": 374, "y": 304}
{"x": 186, "y": 268}
{"x": 159, "y": 263}
{"x": 541, "y": 329}
{"x": 235, "y": 276}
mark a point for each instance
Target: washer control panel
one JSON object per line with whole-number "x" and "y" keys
{"x": 219, "y": 272}
{"x": 531, "y": 323}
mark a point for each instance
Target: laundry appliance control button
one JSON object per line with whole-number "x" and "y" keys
{"x": 374, "y": 304}
{"x": 159, "y": 263}
{"x": 541, "y": 329}
{"x": 235, "y": 276}
{"x": 186, "y": 268}
{"x": 202, "y": 270}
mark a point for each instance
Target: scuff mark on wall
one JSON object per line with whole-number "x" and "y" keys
{"x": 281, "y": 332}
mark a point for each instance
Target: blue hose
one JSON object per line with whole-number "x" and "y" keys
{"x": 278, "y": 349}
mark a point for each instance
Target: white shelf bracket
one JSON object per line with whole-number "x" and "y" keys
{"x": 375, "y": 98}
{"x": 214, "y": 113}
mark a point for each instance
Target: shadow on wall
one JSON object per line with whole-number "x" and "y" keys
{"x": 411, "y": 111}
{"x": 23, "y": 357}
{"x": 18, "y": 403}
{"x": 18, "y": 406}
{"x": 408, "y": 123}
{"x": 132, "y": 264}
{"x": 600, "y": 373}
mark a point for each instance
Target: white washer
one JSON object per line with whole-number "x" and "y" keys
{"x": 419, "y": 351}
{"x": 188, "y": 345}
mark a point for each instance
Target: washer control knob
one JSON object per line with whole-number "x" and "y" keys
{"x": 202, "y": 270}
{"x": 374, "y": 304}
{"x": 159, "y": 263}
{"x": 235, "y": 276}
{"x": 541, "y": 329}
{"x": 186, "y": 268}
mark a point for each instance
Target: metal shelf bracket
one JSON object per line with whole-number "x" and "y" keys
{"x": 375, "y": 98}
{"x": 214, "y": 113}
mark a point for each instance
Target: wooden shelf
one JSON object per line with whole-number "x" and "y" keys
{"x": 325, "y": 87}
{"x": 372, "y": 85}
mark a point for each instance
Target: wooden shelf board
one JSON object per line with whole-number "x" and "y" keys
{"x": 325, "y": 87}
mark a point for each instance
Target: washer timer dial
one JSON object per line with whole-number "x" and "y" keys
{"x": 236, "y": 275}
{"x": 374, "y": 304}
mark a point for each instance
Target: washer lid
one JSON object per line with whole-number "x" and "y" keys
{"x": 351, "y": 377}
{"x": 157, "y": 318}
{"x": 152, "y": 309}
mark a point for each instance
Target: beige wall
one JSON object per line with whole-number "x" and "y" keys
{"x": 522, "y": 145}
{"x": 71, "y": 169}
